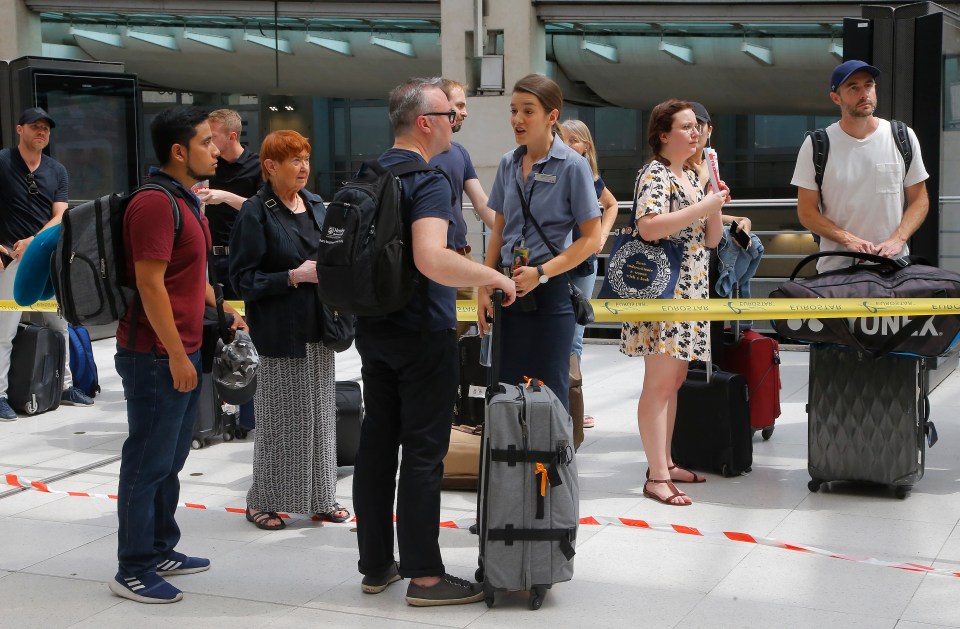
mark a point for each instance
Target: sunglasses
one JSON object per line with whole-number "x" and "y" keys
{"x": 32, "y": 184}
{"x": 451, "y": 115}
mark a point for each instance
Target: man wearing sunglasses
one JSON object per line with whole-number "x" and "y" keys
{"x": 33, "y": 187}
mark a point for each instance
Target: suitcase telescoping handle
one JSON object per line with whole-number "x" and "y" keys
{"x": 493, "y": 373}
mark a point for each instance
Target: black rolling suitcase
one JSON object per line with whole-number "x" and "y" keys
{"x": 349, "y": 420}
{"x": 529, "y": 492}
{"x": 868, "y": 419}
{"x": 471, "y": 393}
{"x": 214, "y": 417}
{"x": 36, "y": 369}
{"x": 713, "y": 423}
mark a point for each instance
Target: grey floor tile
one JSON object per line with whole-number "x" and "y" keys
{"x": 27, "y": 542}
{"x": 310, "y": 617}
{"x": 652, "y": 559}
{"x": 194, "y": 610}
{"x": 746, "y": 612}
{"x": 30, "y": 600}
{"x": 908, "y": 624}
{"x": 936, "y": 602}
{"x": 783, "y": 577}
{"x": 881, "y": 538}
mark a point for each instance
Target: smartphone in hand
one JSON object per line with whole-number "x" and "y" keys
{"x": 742, "y": 239}
{"x": 5, "y": 257}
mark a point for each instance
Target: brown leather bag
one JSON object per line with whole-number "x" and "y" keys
{"x": 461, "y": 466}
{"x": 576, "y": 400}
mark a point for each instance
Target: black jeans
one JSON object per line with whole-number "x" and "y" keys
{"x": 409, "y": 390}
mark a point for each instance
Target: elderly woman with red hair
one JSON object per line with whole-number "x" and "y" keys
{"x": 273, "y": 250}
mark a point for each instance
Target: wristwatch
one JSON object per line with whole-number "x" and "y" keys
{"x": 543, "y": 276}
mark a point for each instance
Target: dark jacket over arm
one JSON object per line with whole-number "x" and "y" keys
{"x": 261, "y": 254}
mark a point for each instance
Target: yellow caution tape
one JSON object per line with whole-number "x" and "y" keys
{"x": 609, "y": 310}
{"x": 51, "y": 306}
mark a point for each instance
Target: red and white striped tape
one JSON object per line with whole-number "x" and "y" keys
{"x": 465, "y": 523}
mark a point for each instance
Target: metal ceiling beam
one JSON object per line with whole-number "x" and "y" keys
{"x": 424, "y": 10}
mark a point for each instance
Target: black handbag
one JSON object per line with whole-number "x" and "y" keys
{"x": 881, "y": 278}
{"x": 582, "y": 309}
{"x": 337, "y": 329}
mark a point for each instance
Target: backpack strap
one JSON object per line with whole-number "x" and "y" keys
{"x": 171, "y": 192}
{"x": 902, "y": 138}
{"x": 821, "y": 150}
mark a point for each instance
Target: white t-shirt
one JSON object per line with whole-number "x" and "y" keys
{"x": 863, "y": 185}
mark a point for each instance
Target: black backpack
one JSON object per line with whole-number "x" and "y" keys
{"x": 821, "y": 150}
{"x": 88, "y": 269}
{"x": 365, "y": 258}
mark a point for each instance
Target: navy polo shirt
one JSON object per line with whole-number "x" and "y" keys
{"x": 457, "y": 164}
{"x": 243, "y": 178}
{"x": 425, "y": 195}
{"x": 560, "y": 198}
{"x": 23, "y": 214}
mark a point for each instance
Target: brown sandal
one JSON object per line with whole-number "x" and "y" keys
{"x": 696, "y": 477}
{"x": 669, "y": 499}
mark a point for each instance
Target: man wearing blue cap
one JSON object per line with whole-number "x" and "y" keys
{"x": 870, "y": 200}
{"x": 33, "y": 187}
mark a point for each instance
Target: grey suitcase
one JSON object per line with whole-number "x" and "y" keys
{"x": 868, "y": 418}
{"x": 529, "y": 491}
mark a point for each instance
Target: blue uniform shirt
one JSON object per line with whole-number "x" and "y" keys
{"x": 457, "y": 164}
{"x": 563, "y": 196}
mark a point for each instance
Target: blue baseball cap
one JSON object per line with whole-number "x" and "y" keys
{"x": 843, "y": 71}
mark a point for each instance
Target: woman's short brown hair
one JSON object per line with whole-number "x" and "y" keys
{"x": 281, "y": 145}
{"x": 661, "y": 121}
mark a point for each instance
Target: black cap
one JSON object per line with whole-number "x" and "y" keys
{"x": 32, "y": 114}
{"x": 700, "y": 112}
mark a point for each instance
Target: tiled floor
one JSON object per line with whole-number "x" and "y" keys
{"x": 56, "y": 551}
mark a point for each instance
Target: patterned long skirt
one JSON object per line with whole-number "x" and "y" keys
{"x": 295, "y": 446}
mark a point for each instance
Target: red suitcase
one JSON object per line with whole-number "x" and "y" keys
{"x": 757, "y": 357}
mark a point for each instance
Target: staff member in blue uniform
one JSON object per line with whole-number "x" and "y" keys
{"x": 557, "y": 185}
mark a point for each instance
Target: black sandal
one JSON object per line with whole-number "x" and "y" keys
{"x": 260, "y": 519}
{"x": 331, "y": 515}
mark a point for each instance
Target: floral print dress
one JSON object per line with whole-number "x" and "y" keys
{"x": 655, "y": 190}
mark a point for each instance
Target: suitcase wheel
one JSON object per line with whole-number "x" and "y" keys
{"x": 725, "y": 471}
{"x": 228, "y": 436}
{"x": 902, "y": 491}
{"x": 478, "y": 575}
{"x": 30, "y": 407}
{"x": 814, "y": 485}
{"x": 536, "y": 596}
{"x": 196, "y": 444}
{"x": 241, "y": 433}
{"x": 766, "y": 433}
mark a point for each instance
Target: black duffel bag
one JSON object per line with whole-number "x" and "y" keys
{"x": 878, "y": 278}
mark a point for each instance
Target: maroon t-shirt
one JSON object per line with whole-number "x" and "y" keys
{"x": 148, "y": 235}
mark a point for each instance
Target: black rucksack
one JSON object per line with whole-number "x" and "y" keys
{"x": 365, "y": 258}
{"x": 821, "y": 150}
{"x": 88, "y": 268}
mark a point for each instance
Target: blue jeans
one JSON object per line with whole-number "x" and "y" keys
{"x": 585, "y": 284}
{"x": 160, "y": 421}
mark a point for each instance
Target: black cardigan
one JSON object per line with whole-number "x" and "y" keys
{"x": 261, "y": 254}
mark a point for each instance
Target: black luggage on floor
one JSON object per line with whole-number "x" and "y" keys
{"x": 713, "y": 423}
{"x": 214, "y": 417}
{"x": 867, "y": 418}
{"x": 472, "y": 390}
{"x": 37, "y": 359}
{"x": 349, "y": 419}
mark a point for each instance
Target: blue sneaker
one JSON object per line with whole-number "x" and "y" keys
{"x": 178, "y": 563}
{"x": 75, "y": 397}
{"x": 147, "y": 588}
{"x": 7, "y": 414}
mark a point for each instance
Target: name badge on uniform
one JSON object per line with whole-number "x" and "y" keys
{"x": 545, "y": 178}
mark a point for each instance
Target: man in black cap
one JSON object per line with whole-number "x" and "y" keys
{"x": 33, "y": 189}
{"x": 870, "y": 199}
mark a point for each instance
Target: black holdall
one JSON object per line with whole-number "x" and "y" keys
{"x": 877, "y": 278}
